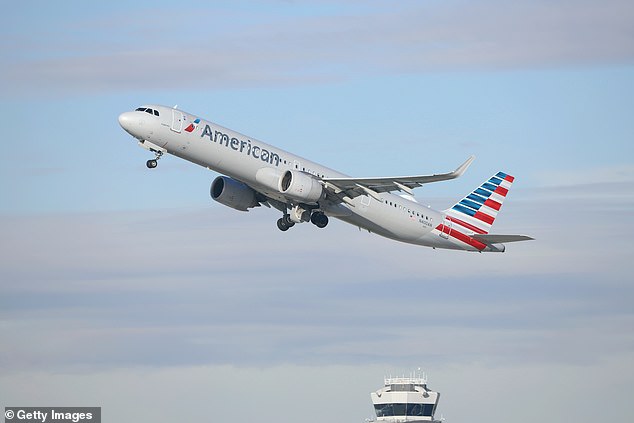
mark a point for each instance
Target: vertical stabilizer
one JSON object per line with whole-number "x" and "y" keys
{"x": 478, "y": 210}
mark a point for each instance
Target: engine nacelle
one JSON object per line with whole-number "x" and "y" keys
{"x": 301, "y": 187}
{"x": 233, "y": 193}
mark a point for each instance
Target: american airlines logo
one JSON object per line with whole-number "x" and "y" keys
{"x": 193, "y": 126}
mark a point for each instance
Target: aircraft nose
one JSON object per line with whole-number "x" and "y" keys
{"x": 132, "y": 123}
{"x": 125, "y": 120}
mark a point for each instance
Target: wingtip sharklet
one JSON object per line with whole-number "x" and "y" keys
{"x": 463, "y": 167}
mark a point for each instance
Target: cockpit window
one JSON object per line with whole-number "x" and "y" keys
{"x": 147, "y": 110}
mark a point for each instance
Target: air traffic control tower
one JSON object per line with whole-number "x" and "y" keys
{"x": 405, "y": 399}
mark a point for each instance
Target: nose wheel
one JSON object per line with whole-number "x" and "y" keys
{"x": 151, "y": 164}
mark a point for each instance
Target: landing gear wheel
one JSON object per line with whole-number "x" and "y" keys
{"x": 151, "y": 164}
{"x": 287, "y": 221}
{"x": 323, "y": 221}
{"x": 284, "y": 223}
{"x": 319, "y": 219}
{"x": 281, "y": 225}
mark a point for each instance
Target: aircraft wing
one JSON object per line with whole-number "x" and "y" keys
{"x": 353, "y": 187}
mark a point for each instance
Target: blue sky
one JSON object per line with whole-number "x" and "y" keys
{"x": 127, "y": 288}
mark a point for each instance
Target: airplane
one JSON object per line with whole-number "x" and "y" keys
{"x": 254, "y": 173}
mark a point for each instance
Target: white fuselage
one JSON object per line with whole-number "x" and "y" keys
{"x": 257, "y": 164}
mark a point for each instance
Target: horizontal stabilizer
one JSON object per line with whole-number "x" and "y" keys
{"x": 500, "y": 239}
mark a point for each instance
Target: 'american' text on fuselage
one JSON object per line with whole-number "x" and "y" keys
{"x": 242, "y": 146}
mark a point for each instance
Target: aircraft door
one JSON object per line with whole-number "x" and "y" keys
{"x": 177, "y": 120}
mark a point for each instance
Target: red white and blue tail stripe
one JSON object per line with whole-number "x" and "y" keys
{"x": 477, "y": 211}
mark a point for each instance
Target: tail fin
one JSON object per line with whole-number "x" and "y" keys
{"x": 478, "y": 210}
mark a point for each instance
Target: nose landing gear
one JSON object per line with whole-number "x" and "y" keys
{"x": 151, "y": 164}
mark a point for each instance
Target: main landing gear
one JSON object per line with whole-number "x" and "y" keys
{"x": 286, "y": 222}
{"x": 151, "y": 164}
{"x": 319, "y": 219}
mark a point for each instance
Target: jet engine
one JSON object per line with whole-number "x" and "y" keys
{"x": 233, "y": 193}
{"x": 301, "y": 187}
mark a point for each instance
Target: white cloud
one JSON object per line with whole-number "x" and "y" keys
{"x": 228, "y": 288}
{"x": 220, "y": 49}
{"x": 622, "y": 174}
